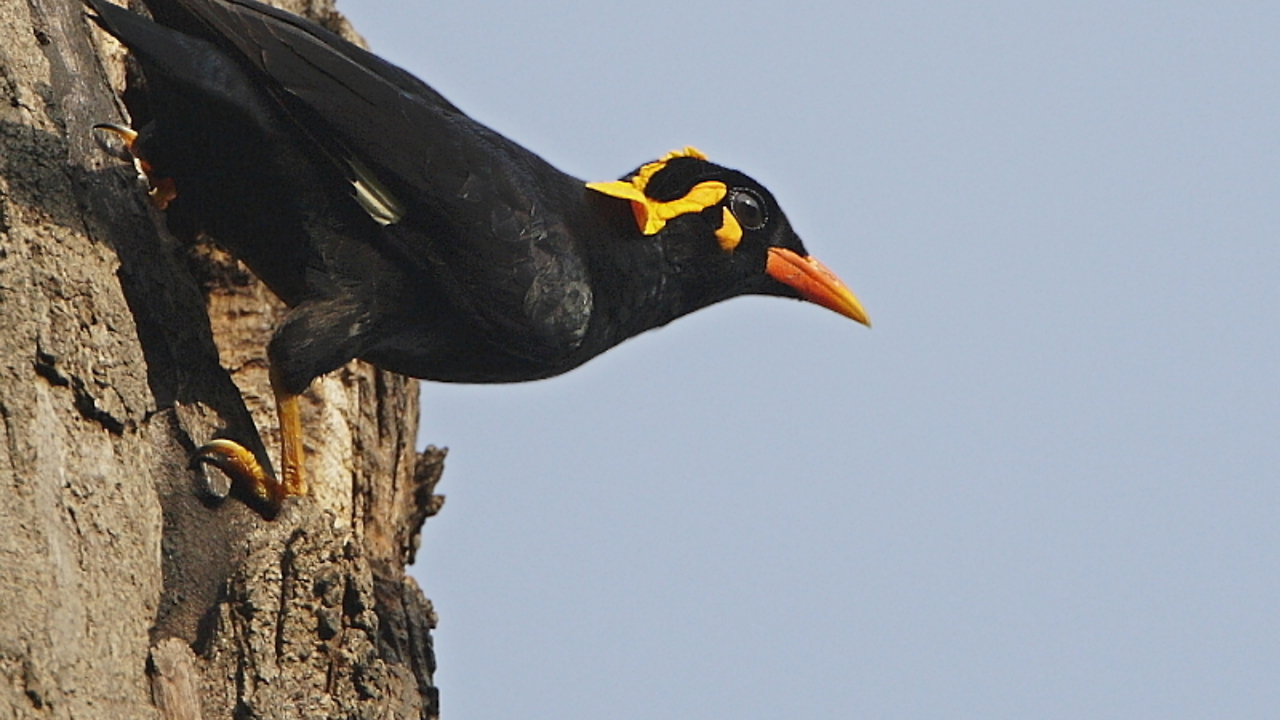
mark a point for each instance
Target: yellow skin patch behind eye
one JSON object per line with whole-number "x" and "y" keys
{"x": 652, "y": 215}
{"x": 729, "y": 233}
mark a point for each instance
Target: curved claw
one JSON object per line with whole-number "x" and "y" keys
{"x": 127, "y": 135}
{"x": 261, "y": 487}
{"x": 161, "y": 190}
{"x": 245, "y": 472}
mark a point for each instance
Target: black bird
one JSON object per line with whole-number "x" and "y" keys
{"x": 402, "y": 232}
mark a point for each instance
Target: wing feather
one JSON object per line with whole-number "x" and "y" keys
{"x": 473, "y": 219}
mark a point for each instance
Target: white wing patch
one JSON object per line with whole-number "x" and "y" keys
{"x": 373, "y": 196}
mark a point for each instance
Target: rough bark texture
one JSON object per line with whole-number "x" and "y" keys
{"x": 125, "y": 594}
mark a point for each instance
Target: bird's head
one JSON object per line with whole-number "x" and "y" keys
{"x": 724, "y": 235}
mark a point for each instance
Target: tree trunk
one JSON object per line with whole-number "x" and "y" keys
{"x": 127, "y": 591}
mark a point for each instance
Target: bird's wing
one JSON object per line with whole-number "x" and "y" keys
{"x": 482, "y": 225}
{"x": 387, "y": 118}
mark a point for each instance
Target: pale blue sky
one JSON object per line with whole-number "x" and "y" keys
{"x": 1045, "y": 485}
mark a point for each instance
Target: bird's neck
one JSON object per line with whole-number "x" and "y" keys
{"x": 646, "y": 285}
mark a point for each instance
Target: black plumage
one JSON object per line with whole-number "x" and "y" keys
{"x": 403, "y": 232}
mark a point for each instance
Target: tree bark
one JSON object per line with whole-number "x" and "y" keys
{"x": 127, "y": 592}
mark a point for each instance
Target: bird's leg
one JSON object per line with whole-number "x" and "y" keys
{"x": 160, "y": 190}
{"x": 317, "y": 337}
{"x": 238, "y": 462}
{"x": 294, "y": 480}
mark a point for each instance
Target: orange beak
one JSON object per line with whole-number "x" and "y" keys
{"x": 814, "y": 282}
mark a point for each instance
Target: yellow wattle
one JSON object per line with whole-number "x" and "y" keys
{"x": 730, "y": 232}
{"x": 652, "y": 215}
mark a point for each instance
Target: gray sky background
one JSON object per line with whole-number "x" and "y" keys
{"x": 1043, "y": 486}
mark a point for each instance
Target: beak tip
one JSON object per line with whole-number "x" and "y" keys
{"x": 812, "y": 281}
{"x": 859, "y": 315}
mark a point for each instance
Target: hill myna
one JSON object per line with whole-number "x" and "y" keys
{"x": 402, "y": 232}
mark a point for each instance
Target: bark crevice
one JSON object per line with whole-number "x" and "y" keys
{"x": 130, "y": 590}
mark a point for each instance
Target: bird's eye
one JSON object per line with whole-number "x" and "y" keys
{"x": 748, "y": 208}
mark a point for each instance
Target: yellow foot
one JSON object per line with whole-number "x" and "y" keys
{"x": 161, "y": 190}
{"x": 261, "y": 489}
